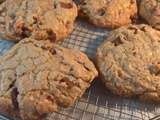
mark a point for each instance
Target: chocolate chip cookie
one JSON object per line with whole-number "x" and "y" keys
{"x": 37, "y": 77}
{"x": 129, "y": 62}
{"x": 150, "y": 11}
{"x": 39, "y": 19}
{"x": 108, "y": 13}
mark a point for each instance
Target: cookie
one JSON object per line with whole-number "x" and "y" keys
{"x": 37, "y": 77}
{"x": 108, "y": 13}
{"x": 39, "y": 19}
{"x": 129, "y": 62}
{"x": 150, "y": 11}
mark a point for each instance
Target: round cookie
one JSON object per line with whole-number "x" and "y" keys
{"x": 38, "y": 77}
{"x": 108, "y": 13}
{"x": 129, "y": 62}
{"x": 150, "y": 11}
{"x": 39, "y": 19}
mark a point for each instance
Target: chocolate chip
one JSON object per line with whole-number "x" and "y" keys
{"x": 117, "y": 41}
{"x": 101, "y": 12}
{"x": 14, "y": 95}
{"x": 55, "y": 5}
{"x": 49, "y": 98}
{"x": 68, "y": 23}
{"x": 83, "y": 2}
{"x": 51, "y": 36}
{"x": 53, "y": 51}
{"x": 25, "y": 32}
{"x": 155, "y": 69}
{"x": 134, "y": 29}
{"x": 143, "y": 28}
{"x": 41, "y": 93}
{"x": 69, "y": 84}
{"x": 120, "y": 74}
{"x": 66, "y": 5}
{"x": 132, "y": 1}
{"x": 35, "y": 20}
{"x": 134, "y": 53}
{"x": 62, "y": 81}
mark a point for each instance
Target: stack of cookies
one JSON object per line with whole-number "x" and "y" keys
{"x": 37, "y": 76}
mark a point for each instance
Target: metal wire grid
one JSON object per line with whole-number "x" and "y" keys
{"x": 97, "y": 103}
{"x": 104, "y": 107}
{"x": 86, "y": 38}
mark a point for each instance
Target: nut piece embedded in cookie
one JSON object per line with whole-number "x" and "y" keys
{"x": 108, "y": 13}
{"x": 38, "y": 77}
{"x": 39, "y": 19}
{"x": 129, "y": 62}
{"x": 150, "y": 11}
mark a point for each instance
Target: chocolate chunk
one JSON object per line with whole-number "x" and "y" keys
{"x": 101, "y": 12}
{"x": 66, "y": 5}
{"x": 51, "y": 36}
{"x": 14, "y": 98}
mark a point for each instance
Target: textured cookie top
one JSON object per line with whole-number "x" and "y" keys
{"x": 129, "y": 62}
{"x": 39, "y": 77}
{"x": 150, "y": 11}
{"x": 108, "y": 13}
{"x": 40, "y": 19}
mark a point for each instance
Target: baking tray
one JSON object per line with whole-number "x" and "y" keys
{"x": 97, "y": 103}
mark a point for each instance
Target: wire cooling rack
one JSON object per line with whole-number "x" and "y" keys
{"x": 97, "y": 103}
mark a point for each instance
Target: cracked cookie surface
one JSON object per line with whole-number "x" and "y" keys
{"x": 129, "y": 62}
{"x": 108, "y": 13}
{"x": 150, "y": 11}
{"x": 37, "y": 77}
{"x": 39, "y": 19}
